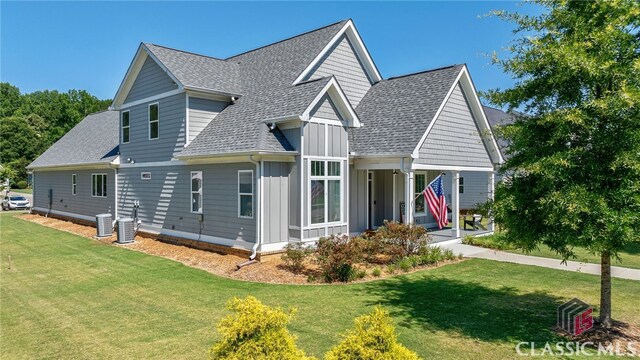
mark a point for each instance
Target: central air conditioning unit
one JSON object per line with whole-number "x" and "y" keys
{"x": 104, "y": 225}
{"x": 126, "y": 231}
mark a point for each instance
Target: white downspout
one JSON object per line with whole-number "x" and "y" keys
{"x": 115, "y": 197}
{"x": 254, "y": 250}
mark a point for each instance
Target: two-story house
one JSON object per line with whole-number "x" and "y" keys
{"x": 289, "y": 142}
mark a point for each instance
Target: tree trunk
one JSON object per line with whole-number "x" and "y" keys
{"x": 605, "y": 290}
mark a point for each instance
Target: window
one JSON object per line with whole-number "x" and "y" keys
{"x": 154, "y": 121}
{"x": 325, "y": 192}
{"x": 99, "y": 185}
{"x": 245, "y": 193}
{"x": 461, "y": 185}
{"x": 196, "y": 192}
{"x": 420, "y": 182}
{"x": 145, "y": 176}
{"x": 74, "y": 187}
{"x": 125, "y": 127}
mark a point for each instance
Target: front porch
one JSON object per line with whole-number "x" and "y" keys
{"x": 445, "y": 234}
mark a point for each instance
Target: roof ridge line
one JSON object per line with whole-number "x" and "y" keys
{"x": 423, "y": 72}
{"x": 287, "y": 39}
{"x": 188, "y": 52}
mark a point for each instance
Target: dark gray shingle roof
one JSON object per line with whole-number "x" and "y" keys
{"x": 497, "y": 118}
{"x": 199, "y": 71}
{"x": 396, "y": 112}
{"x": 93, "y": 140}
{"x": 240, "y": 127}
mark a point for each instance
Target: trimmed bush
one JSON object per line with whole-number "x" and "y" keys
{"x": 402, "y": 240}
{"x": 336, "y": 256}
{"x": 373, "y": 338}
{"x": 376, "y": 271}
{"x": 22, "y": 184}
{"x": 255, "y": 331}
{"x": 295, "y": 255}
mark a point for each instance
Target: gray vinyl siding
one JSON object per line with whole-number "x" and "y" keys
{"x": 63, "y": 200}
{"x": 326, "y": 109}
{"x": 276, "y": 202}
{"x": 337, "y": 141}
{"x": 455, "y": 138}
{"x": 171, "y": 139}
{"x": 357, "y": 200}
{"x": 342, "y": 62}
{"x": 314, "y": 139}
{"x": 165, "y": 200}
{"x": 151, "y": 80}
{"x": 201, "y": 112}
{"x": 476, "y": 186}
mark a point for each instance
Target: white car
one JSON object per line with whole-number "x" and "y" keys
{"x": 15, "y": 202}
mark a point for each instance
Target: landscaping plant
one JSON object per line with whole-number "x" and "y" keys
{"x": 255, "y": 331}
{"x": 336, "y": 256}
{"x": 295, "y": 255}
{"x": 373, "y": 338}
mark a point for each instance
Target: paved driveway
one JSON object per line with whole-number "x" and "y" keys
{"x": 28, "y": 196}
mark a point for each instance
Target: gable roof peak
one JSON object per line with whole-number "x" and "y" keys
{"x": 182, "y": 51}
{"x": 426, "y": 71}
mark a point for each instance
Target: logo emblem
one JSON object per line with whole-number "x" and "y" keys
{"x": 574, "y": 317}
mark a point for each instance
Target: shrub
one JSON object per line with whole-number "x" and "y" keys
{"x": 294, "y": 256}
{"x": 22, "y": 184}
{"x": 255, "y": 331}
{"x": 448, "y": 254}
{"x": 336, "y": 256}
{"x": 376, "y": 271}
{"x": 404, "y": 264}
{"x": 372, "y": 338}
{"x": 468, "y": 240}
{"x": 392, "y": 268}
{"x": 360, "y": 273}
{"x": 401, "y": 240}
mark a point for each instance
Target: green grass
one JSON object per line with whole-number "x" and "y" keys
{"x": 629, "y": 257}
{"x": 67, "y": 296}
{"x": 22, "y": 191}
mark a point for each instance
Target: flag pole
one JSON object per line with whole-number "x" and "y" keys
{"x": 414, "y": 199}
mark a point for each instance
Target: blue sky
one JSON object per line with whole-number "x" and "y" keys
{"x": 89, "y": 45}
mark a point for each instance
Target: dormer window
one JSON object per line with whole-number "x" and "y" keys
{"x": 125, "y": 127}
{"x": 154, "y": 121}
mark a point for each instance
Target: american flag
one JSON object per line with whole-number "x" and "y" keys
{"x": 434, "y": 197}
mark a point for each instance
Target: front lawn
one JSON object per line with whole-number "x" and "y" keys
{"x": 22, "y": 191}
{"x": 66, "y": 296}
{"x": 629, "y": 258}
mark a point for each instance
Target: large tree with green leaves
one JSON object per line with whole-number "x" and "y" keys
{"x": 574, "y": 159}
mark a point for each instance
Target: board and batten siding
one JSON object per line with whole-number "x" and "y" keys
{"x": 171, "y": 139}
{"x": 151, "y": 80}
{"x": 342, "y": 62}
{"x": 64, "y": 201}
{"x": 357, "y": 200}
{"x": 201, "y": 112}
{"x": 276, "y": 202}
{"x": 165, "y": 199}
{"x": 454, "y": 139}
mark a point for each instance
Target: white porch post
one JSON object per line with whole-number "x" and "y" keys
{"x": 408, "y": 191}
{"x": 490, "y": 194}
{"x": 455, "y": 204}
{"x": 393, "y": 196}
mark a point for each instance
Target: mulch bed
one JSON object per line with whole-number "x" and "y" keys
{"x": 619, "y": 336}
{"x": 270, "y": 269}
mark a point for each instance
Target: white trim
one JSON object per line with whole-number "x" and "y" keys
{"x": 326, "y": 178}
{"x": 104, "y": 184}
{"x": 416, "y": 194}
{"x": 273, "y": 246}
{"x": 344, "y": 106}
{"x": 245, "y": 245}
{"x": 74, "y": 184}
{"x": 149, "y": 99}
{"x": 153, "y": 164}
{"x": 199, "y": 192}
{"x": 361, "y": 52}
{"x": 64, "y": 213}
{"x": 122, "y": 127}
{"x": 87, "y": 166}
{"x": 149, "y": 121}
{"x": 370, "y": 216}
{"x": 317, "y": 120}
{"x": 301, "y": 181}
{"x": 240, "y": 194}
{"x": 416, "y": 151}
{"x": 452, "y": 168}
{"x": 186, "y": 121}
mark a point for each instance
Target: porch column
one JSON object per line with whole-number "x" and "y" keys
{"x": 408, "y": 197}
{"x": 394, "y": 174}
{"x": 490, "y": 192}
{"x": 455, "y": 204}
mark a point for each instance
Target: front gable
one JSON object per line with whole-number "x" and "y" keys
{"x": 151, "y": 80}
{"x": 455, "y": 138}
{"x": 326, "y": 109}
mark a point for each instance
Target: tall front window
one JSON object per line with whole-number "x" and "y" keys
{"x": 196, "y": 192}
{"x": 420, "y": 183}
{"x": 326, "y": 191}
{"x": 99, "y": 185}
{"x": 74, "y": 185}
{"x": 125, "y": 127}
{"x": 154, "y": 121}
{"x": 245, "y": 193}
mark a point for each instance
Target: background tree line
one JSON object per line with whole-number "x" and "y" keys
{"x": 30, "y": 123}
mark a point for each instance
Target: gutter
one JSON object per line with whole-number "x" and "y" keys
{"x": 243, "y": 153}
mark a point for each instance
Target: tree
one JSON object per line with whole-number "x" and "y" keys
{"x": 574, "y": 160}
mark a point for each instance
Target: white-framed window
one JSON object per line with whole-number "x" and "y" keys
{"x": 145, "y": 176}
{"x": 154, "y": 121}
{"x": 245, "y": 194}
{"x": 461, "y": 185}
{"x": 325, "y": 188}
{"x": 99, "y": 185}
{"x": 196, "y": 192}
{"x": 126, "y": 126}
{"x": 419, "y": 183}
{"x": 74, "y": 184}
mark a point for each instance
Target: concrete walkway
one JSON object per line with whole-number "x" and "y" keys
{"x": 489, "y": 254}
